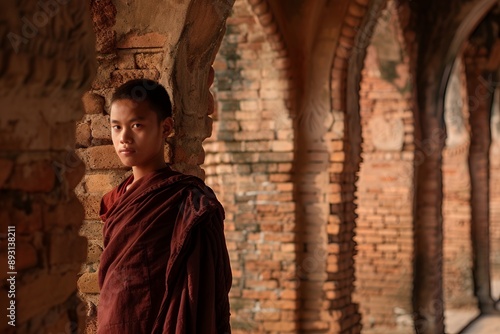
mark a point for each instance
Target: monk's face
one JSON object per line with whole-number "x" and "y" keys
{"x": 138, "y": 136}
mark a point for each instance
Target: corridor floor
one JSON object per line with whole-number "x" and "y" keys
{"x": 462, "y": 321}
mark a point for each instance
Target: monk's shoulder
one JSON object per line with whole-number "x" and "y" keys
{"x": 109, "y": 198}
{"x": 198, "y": 195}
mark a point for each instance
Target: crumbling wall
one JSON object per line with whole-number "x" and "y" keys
{"x": 249, "y": 163}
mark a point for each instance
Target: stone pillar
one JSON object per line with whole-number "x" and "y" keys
{"x": 480, "y": 92}
{"x": 428, "y": 285}
{"x": 47, "y": 59}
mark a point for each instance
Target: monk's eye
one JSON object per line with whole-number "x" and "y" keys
{"x": 115, "y": 127}
{"x": 136, "y": 126}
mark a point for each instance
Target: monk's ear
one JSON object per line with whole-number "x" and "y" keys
{"x": 167, "y": 127}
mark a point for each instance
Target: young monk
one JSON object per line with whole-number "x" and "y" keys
{"x": 165, "y": 266}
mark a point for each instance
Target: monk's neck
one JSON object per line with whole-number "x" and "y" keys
{"x": 140, "y": 172}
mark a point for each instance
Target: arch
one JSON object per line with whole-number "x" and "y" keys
{"x": 347, "y": 63}
{"x": 135, "y": 41}
{"x": 495, "y": 193}
{"x": 480, "y": 85}
{"x": 249, "y": 164}
{"x": 471, "y": 20}
{"x": 458, "y": 289}
{"x": 432, "y": 71}
{"x": 381, "y": 101}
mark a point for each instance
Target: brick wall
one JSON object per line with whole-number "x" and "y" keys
{"x": 41, "y": 82}
{"x": 457, "y": 252}
{"x": 385, "y": 193}
{"x": 248, "y": 164}
{"x": 343, "y": 149}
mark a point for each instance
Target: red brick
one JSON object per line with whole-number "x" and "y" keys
{"x": 94, "y": 252}
{"x": 125, "y": 61}
{"x": 268, "y": 315}
{"x": 100, "y": 157}
{"x": 83, "y": 134}
{"x": 93, "y": 103}
{"x": 73, "y": 169}
{"x": 91, "y": 204}
{"x": 149, "y": 40}
{"x": 27, "y": 216}
{"x": 62, "y": 135}
{"x": 100, "y": 183}
{"x": 75, "y": 248}
{"x": 92, "y": 230}
{"x": 88, "y": 283}
{"x": 100, "y": 127}
{"x": 26, "y": 257}
{"x": 62, "y": 215}
{"x": 37, "y": 176}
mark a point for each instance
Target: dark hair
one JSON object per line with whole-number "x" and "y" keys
{"x": 146, "y": 90}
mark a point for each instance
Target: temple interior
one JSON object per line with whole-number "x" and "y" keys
{"x": 354, "y": 145}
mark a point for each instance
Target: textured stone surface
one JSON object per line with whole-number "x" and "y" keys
{"x": 93, "y": 103}
{"x": 88, "y": 283}
{"x": 387, "y": 135}
{"x": 104, "y": 18}
{"x": 100, "y": 157}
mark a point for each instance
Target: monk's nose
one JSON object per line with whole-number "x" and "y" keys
{"x": 126, "y": 136}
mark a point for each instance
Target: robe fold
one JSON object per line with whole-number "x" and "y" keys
{"x": 165, "y": 266}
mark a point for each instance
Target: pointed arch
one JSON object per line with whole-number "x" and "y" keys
{"x": 432, "y": 71}
{"x": 249, "y": 161}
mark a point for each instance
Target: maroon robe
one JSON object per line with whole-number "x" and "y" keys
{"x": 165, "y": 266}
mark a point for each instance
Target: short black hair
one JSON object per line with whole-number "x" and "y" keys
{"x": 140, "y": 90}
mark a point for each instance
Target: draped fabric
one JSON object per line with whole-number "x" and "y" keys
{"x": 165, "y": 266}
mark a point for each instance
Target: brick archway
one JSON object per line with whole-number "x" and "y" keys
{"x": 249, "y": 164}
{"x": 379, "y": 96}
{"x": 134, "y": 40}
{"x": 432, "y": 69}
{"x": 345, "y": 77}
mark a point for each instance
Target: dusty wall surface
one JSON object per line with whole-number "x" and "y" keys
{"x": 457, "y": 252}
{"x": 457, "y": 261}
{"x": 385, "y": 193}
{"x": 495, "y": 209}
{"x": 495, "y": 188}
